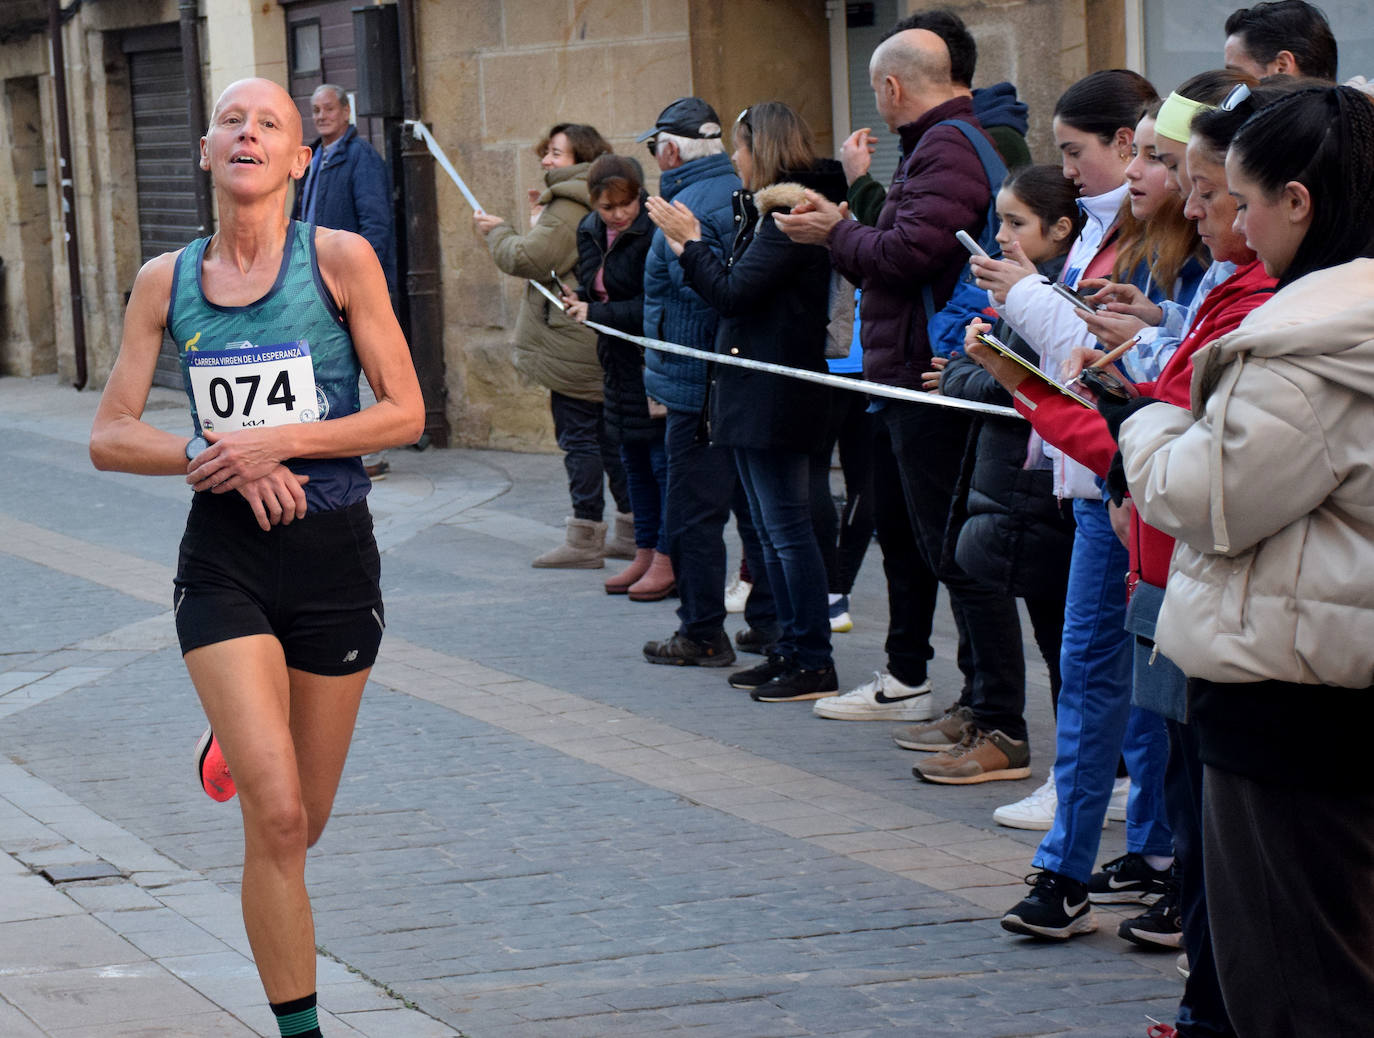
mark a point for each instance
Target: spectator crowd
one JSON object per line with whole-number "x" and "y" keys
{"x": 1181, "y": 311}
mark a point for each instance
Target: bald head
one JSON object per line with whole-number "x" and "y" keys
{"x": 260, "y": 93}
{"x": 914, "y": 57}
{"x": 909, "y": 73}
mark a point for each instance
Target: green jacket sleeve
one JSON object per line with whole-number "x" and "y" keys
{"x": 551, "y": 244}
{"x": 866, "y": 198}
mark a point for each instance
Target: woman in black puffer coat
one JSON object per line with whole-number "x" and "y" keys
{"x": 772, "y": 295}
{"x": 612, "y": 245}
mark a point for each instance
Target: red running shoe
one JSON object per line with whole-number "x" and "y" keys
{"x": 212, "y": 770}
{"x": 1159, "y": 1030}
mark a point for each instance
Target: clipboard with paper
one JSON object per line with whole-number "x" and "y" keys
{"x": 997, "y": 345}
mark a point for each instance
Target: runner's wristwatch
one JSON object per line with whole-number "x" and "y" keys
{"x": 195, "y": 445}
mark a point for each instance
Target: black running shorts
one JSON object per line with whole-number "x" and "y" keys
{"x": 313, "y": 583}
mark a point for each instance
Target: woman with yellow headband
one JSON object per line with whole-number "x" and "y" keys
{"x": 1126, "y": 311}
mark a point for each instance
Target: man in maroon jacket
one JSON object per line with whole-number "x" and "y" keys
{"x": 939, "y": 188}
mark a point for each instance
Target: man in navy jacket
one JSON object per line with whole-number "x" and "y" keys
{"x": 346, "y": 187}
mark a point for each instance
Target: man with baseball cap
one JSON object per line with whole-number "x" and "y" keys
{"x": 702, "y": 480}
{"x": 689, "y": 117}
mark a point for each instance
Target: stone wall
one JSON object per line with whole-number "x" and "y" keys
{"x": 493, "y": 82}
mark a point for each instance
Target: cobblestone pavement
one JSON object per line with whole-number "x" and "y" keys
{"x": 537, "y": 833}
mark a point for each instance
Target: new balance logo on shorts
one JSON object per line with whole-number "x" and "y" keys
{"x": 352, "y": 655}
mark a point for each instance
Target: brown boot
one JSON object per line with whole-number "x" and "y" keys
{"x": 582, "y": 549}
{"x": 620, "y": 583}
{"x": 657, "y": 583}
{"x": 621, "y": 542}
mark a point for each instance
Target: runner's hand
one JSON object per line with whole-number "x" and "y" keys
{"x": 276, "y": 498}
{"x": 234, "y": 459}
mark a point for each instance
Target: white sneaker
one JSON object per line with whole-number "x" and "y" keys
{"x": 736, "y": 594}
{"x": 1116, "y": 807}
{"x": 1033, "y": 812}
{"x": 882, "y": 699}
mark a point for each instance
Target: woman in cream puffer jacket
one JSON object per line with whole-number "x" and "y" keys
{"x": 1269, "y": 489}
{"x": 1267, "y": 483}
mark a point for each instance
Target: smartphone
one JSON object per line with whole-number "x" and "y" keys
{"x": 974, "y": 249}
{"x": 1073, "y": 297}
{"x": 1106, "y": 383}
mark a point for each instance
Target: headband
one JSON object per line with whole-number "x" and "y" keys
{"x": 1176, "y": 116}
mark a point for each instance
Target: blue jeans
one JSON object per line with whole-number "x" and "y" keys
{"x": 646, "y": 477}
{"x": 701, "y": 487}
{"x": 777, "y": 484}
{"x": 1096, "y": 723}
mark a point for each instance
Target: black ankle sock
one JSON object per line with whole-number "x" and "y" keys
{"x": 297, "y": 1018}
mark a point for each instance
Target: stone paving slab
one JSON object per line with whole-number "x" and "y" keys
{"x": 537, "y": 833}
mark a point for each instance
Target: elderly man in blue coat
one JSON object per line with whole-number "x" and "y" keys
{"x": 702, "y": 482}
{"x": 346, "y": 187}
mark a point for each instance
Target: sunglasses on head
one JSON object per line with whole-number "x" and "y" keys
{"x": 1238, "y": 93}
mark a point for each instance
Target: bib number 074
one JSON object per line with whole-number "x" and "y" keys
{"x": 222, "y": 397}
{"x": 253, "y": 386}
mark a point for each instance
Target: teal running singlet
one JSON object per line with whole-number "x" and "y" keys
{"x": 284, "y": 359}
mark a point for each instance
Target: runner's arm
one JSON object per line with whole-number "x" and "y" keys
{"x": 120, "y": 440}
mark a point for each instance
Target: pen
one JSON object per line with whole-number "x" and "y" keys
{"x": 1104, "y": 360}
{"x": 1120, "y": 351}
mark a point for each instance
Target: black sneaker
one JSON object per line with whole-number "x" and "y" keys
{"x": 1127, "y": 880}
{"x": 751, "y": 639}
{"x": 761, "y": 673}
{"x": 681, "y": 651}
{"x": 796, "y": 684}
{"x": 1056, "y": 907}
{"x": 1159, "y": 926}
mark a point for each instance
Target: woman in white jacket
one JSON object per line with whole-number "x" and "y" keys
{"x": 1268, "y": 485}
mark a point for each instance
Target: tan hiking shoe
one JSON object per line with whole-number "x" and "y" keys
{"x": 940, "y": 734}
{"x": 979, "y": 757}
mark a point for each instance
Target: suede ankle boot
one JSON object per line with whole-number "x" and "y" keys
{"x": 620, "y": 544}
{"x": 620, "y": 583}
{"x": 657, "y": 583}
{"x": 582, "y": 549}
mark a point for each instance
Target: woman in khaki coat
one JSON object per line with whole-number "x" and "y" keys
{"x": 560, "y": 354}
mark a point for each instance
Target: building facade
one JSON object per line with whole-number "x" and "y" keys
{"x": 490, "y": 77}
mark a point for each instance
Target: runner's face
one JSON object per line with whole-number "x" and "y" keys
{"x": 254, "y": 138}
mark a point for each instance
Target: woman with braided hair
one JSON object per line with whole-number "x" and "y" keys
{"x": 1267, "y": 482}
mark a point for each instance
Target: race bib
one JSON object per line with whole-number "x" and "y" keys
{"x": 246, "y": 386}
